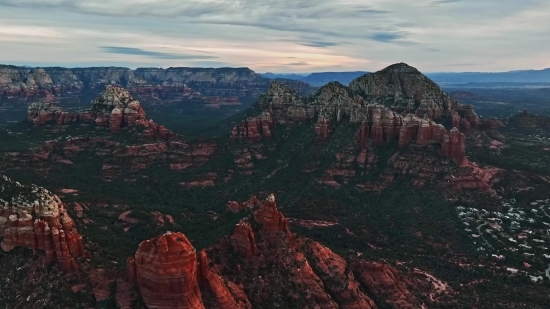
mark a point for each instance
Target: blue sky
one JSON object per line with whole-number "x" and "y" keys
{"x": 278, "y": 35}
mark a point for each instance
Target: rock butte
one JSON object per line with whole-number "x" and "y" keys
{"x": 114, "y": 108}
{"x": 34, "y": 218}
{"x": 171, "y": 274}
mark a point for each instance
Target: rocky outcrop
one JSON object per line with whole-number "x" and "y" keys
{"x": 236, "y": 207}
{"x": 243, "y": 240}
{"x": 270, "y": 218}
{"x": 337, "y": 277}
{"x": 114, "y": 108}
{"x": 455, "y": 147}
{"x": 379, "y": 122}
{"x": 475, "y": 178}
{"x": 385, "y": 281}
{"x": 170, "y": 274}
{"x": 426, "y": 131}
{"x": 228, "y": 296}
{"x": 254, "y": 128}
{"x": 273, "y": 267}
{"x": 166, "y": 272}
{"x": 404, "y": 89}
{"x": 34, "y": 218}
{"x": 44, "y": 112}
{"x": 468, "y": 118}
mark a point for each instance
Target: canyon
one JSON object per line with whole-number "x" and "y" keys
{"x": 367, "y": 177}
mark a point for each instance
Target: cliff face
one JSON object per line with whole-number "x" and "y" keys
{"x": 167, "y": 272}
{"x": 171, "y": 83}
{"x": 170, "y": 273}
{"x": 315, "y": 277}
{"x": 34, "y": 218}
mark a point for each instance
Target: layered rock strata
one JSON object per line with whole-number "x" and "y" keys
{"x": 254, "y": 128}
{"x": 170, "y": 274}
{"x": 166, "y": 271}
{"x": 156, "y": 83}
{"x": 34, "y": 218}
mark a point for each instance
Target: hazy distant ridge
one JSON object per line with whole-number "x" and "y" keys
{"x": 522, "y": 76}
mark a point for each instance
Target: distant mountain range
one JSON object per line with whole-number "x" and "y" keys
{"x": 320, "y": 79}
{"x": 522, "y": 76}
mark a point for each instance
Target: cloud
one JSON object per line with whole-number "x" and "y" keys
{"x": 318, "y": 44}
{"x": 446, "y": 1}
{"x": 150, "y": 54}
{"x": 387, "y": 36}
{"x": 261, "y": 34}
{"x": 296, "y": 63}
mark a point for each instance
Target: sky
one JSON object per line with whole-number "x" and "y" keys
{"x": 278, "y": 35}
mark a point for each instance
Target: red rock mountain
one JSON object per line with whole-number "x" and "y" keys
{"x": 236, "y": 273}
{"x": 34, "y": 218}
{"x": 114, "y": 108}
{"x": 395, "y": 103}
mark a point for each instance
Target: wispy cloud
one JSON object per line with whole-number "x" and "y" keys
{"x": 151, "y": 54}
{"x": 263, "y": 34}
{"x": 297, "y": 63}
{"x": 387, "y": 36}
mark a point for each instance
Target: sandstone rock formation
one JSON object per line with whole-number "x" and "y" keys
{"x": 243, "y": 240}
{"x": 114, "y": 108}
{"x": 34, "y": 218}
{"x": 319, "y": 278}
{"x": 385, "y": 281}
{"x": 170, "y": 273}
{"x": 254, "y": 128}
{"x": 270, "y": 218}
{"x": 43, "y": 112}
{"x": 228, "y": 296}
{"x": 166, "y": 272}
{"x": 398, "y": 102}
{"x": 235, "y": 207}
{"x": 334, "y": 102}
